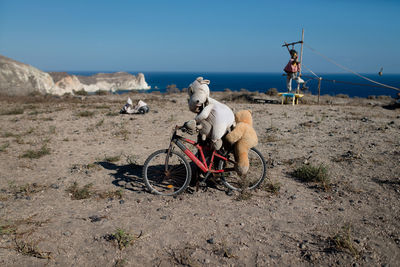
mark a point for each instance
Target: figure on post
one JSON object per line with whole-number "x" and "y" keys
{"x": 291, "y": 69}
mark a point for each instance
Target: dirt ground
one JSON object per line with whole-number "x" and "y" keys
{"x": 53, "y": 148}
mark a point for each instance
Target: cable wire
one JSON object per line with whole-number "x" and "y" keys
{"x": 349, "y": 70}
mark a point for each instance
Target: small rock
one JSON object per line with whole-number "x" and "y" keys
{"x": 211, "y": 241}
{"x": 67, "y": 233}
{"x": 54, "y": 186}
{"x": 163, "y": 217}
{"x": 109, "y": 207}
{"x": 1, "y": 205}
{"x": 95, "y": 218}
{"x": 302, "y": 246}
{"x": 293, "y": 197}
{"x": 28, "y": 198}
{"x": 341, "y": 209}
{"x": 121, "y": 201}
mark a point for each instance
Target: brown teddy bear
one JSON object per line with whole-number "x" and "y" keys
{"x": 243, "y": 137}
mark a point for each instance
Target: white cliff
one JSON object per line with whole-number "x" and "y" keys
{"x": 17, "y": 78}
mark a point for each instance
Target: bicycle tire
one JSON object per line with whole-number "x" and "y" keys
{"x": 257, "y": 168}
{"x": 166, "y": 183}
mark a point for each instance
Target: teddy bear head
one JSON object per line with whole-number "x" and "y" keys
{"x": 244, "y": 116}
{"x": 198, "y": 94}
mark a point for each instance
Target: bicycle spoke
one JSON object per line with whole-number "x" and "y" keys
{"x": 166, "y": 179}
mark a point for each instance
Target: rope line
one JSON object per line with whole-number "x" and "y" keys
{"x": 349, "y": 70}
{"x": 310, "y": 70}
{"x": 336, "y": 81}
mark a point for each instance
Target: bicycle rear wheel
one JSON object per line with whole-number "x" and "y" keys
{"x": 255, "y": 176}
{"x": 163, "y": 178}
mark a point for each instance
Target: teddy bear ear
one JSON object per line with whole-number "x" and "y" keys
{"x": 199, "y": 79}
{"x": 205, "y": 82}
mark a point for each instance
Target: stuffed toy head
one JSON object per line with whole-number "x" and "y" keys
{"x": 198, "y": 94}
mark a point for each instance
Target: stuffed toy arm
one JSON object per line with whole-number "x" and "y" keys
{"x": 204, "y": 113}
{"x": 236, "y": 134}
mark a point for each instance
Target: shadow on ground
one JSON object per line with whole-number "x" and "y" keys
{"x": 127, "y": 176}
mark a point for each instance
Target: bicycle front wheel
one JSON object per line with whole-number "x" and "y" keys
{"x": 255, "y": 176}
{"x": 166, "y": 177}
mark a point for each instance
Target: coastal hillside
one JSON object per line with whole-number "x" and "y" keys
{"x": 21, "y": 79}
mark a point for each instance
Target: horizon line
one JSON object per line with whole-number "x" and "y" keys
{"x": 211, "y": 72}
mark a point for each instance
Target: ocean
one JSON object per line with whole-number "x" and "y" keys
{"x": 332, "y": 84}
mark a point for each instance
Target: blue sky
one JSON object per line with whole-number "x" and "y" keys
{"x": 204, "y": 36}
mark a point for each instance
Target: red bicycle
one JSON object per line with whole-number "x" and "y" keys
{"x": 168, "y": 172}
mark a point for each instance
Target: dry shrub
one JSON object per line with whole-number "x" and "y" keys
{"x": 343, "y": 241}
{"x": 342, "y": 96}
{"x": 310, "y": 173}
{"x": 272, "y": 92}
{"x": 35, "y": 154}
{"x": 78, "y": 193}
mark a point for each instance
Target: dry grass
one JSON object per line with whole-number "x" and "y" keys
{"x": 122, "y": 238}
{"x": 78, "y": 193}
{"x": 343, "y": 241}
{"x": 271, "y": 187}
{"x": 310, "y": 173}
{"x": 25, "y": 190}
{"x": 30, "y": 248}
{"x": 118, "y": 194}
{"x": 4, "y": 146}
{"x": 14, "y": 111}
{"x": 85, "y": 113}
{"x": 183, "y": 256}
{"x": 112, "y": 158}
{"x": 35, "y": 154}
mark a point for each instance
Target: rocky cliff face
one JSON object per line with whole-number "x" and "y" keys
{"x": 17, "y": 78}
{"x": 113, "y": 81}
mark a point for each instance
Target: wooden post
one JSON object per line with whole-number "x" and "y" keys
{"x": 301, "y": 58}
{"x": 319, "y": 88}
{"x": 301, "y": 50}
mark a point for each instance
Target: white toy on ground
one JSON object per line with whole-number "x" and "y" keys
{"x": 140, "y": 108}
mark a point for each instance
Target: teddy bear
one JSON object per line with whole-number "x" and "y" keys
{"x": 218, "y": 116}
{"x": 243, "y": 137}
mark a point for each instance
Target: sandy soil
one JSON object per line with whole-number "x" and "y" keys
{"x": 355, "y": 221}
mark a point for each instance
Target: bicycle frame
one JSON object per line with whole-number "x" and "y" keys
{"x": 202, "y": 164}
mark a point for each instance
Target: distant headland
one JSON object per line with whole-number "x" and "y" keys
{"x": 17, "y": 78}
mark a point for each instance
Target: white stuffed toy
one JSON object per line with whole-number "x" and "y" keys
{"x": 219, "y": 116}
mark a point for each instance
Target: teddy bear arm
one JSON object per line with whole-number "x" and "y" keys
{"x": 236, "y": 134}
